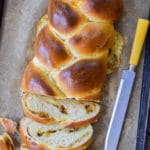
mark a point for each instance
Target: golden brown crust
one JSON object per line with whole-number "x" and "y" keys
{"x": 49, "y": 50}
{"x": 35, "y": 146}
{"x": 3, "y": 145}
{"x": 92, "y": 39}
{"x": 6, "y": 143}
{"x": 23, "y": 136}
{"x": 41, "y": 23}
{"x": 73, "y": 34}
{"x": 86, "y": 76}
{"x": 82, "y": 123}
{"x": 35, "y": 81}
{"x": 81, "y": 80}
{"x": 102, "y": 10}
{"x": 63, "y": 17}
{"x": 11, "y": 142}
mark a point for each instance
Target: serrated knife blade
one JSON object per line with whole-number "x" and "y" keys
{"x": 120, "y": 108}
{"x": 125, "y": 88}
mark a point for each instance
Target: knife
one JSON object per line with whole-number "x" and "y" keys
{"x": 125, "y": 88}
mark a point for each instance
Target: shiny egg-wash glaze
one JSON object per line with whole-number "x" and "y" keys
{"x": 71, "y": 50}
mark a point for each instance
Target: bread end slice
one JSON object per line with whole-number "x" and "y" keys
{"x": 6, "y": 143}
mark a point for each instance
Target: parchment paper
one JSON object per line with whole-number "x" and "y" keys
{"x": 16, "y": 49}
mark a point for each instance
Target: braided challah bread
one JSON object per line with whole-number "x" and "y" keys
{"x": 72, "y": 49}
{"x": 76, "y": 47}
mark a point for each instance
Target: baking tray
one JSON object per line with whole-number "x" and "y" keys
{"x": 16, "y": 50}
{"x": 143, "y": 134}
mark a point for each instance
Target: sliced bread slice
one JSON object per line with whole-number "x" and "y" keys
{"x": 6, "y": 143}
{"x": 70, "y": 113}
{"x": 54, "y": 136}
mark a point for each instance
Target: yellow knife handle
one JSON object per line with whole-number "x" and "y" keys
{"x": 140, "y": 34}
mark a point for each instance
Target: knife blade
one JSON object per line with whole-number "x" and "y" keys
{"x": 125, "y": 88}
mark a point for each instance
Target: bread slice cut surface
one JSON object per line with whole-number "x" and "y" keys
{"x": 54, "y": 136}
{"x": 70, "y": 113}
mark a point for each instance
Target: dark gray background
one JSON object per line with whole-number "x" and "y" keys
{"x": 16, "y": 49}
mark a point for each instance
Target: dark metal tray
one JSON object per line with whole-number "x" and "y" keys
{"x": 143, "y": 135}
